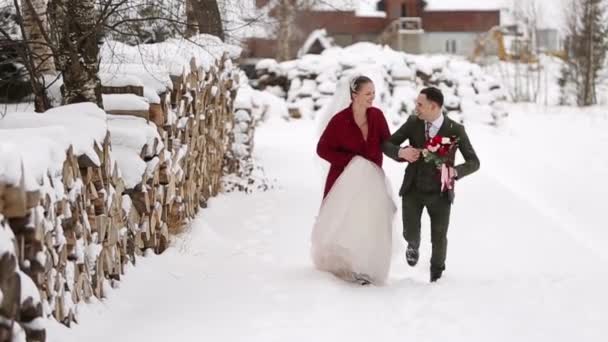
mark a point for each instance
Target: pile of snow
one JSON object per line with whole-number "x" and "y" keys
{"x": 309, "y": 83}
{"x": 241, "y": 170}
{"x": 263, "y": 105}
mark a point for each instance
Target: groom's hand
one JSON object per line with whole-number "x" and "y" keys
{"x": 409, "y": 153}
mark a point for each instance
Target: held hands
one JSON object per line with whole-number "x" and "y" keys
{"x": 409, "y": 153}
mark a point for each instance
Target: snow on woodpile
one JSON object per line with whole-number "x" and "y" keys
{"x": 174, "y": 55}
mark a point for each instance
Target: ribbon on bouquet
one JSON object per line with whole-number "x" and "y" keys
{"x": 447, "y": 178}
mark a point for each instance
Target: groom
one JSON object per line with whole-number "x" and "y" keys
{"x": 421, "y": 184}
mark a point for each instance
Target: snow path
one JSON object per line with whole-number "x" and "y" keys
{"x": 243, "y": 273}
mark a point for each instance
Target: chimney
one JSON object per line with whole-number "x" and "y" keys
{"x": 261, "y": 3}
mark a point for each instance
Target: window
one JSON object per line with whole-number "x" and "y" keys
{"x": 450, "y": 46}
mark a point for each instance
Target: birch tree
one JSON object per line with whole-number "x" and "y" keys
{"x": 75, "y": 28}
{"x": 586, "y": 30}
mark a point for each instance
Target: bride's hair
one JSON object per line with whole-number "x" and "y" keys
{"x": 357, "y": 82}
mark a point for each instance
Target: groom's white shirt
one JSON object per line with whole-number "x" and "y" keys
{"x": 435, "y": 126}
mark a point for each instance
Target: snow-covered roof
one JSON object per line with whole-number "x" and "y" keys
{"x": 363, "y": 8}
{"x": 457, "y": 5}
{"x": 316, "y": 35}
{"x": 549, "y": 11}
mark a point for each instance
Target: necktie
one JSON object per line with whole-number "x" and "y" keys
{"x": 427, "y": 131}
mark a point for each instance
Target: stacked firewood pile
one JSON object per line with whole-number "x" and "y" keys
{"x": 69, "y": 236}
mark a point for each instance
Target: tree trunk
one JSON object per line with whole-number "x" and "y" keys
{"x": 191, "y": 20}
{"x": 286, "y": 13}
{"x": 588, "y": 48}
{"x": 208, "y": 17}
{"x": 76, "y": 32}
{"x": 590, "y": 64}
{"x": 35, "y": 51}
{"x": 34, "y": 23}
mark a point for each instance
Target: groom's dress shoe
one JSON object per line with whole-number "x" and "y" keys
{"x": 411, "y": 255}
{"x": 435, "y": 275}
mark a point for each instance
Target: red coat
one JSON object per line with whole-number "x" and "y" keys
{"x": 343, "y": 139}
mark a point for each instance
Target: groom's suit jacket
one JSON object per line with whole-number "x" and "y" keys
{"x": 420, "y": 173}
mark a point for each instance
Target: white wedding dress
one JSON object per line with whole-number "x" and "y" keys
{"x": 352, "y": 235}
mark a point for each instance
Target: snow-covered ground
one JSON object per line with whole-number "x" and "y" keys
{"x": 526, "y": 260}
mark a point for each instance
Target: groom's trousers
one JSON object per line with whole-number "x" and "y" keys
{"x": 438, "y": 207}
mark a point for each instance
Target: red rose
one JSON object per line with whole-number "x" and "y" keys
{"x": 436, "y": 140}
{"x": 443, "y": 150}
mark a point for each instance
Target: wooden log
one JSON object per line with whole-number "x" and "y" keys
{"x": 86, "y": 174}
{"x": 98, "y": 225}
{"x": 11, "y": 290}
{"x": 164, "y": 174}
{"x": 144, "y": 152}
{"x": 32, "y": 198}
{"x": 141, "y": 201}
{"x": 15, "y": 202}
{"x": 144, "y": 114}
{"x": 68, "y": 174}
{"x": 177, "y": 89}
{"x": 157, "y": 114}
{"x": 85, "y": 161}
{"x": 106, "y": 162}
{"x": 119, "y": 186}
{"x": 98, "y": 179}
{"x": 112, "y": 235}
{"x": 137, "y": 90}
{"x": 2, "y": 187}
{"x": 92, "y": 191}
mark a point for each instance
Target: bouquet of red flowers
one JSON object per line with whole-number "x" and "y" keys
{"x": 438, "y": 150}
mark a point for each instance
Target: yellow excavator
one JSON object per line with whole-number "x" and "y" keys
{"x": 492, "y": 43}
{"x": 495, "y": 42}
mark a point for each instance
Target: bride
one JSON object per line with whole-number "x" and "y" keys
{"x": 352, "y": 237}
